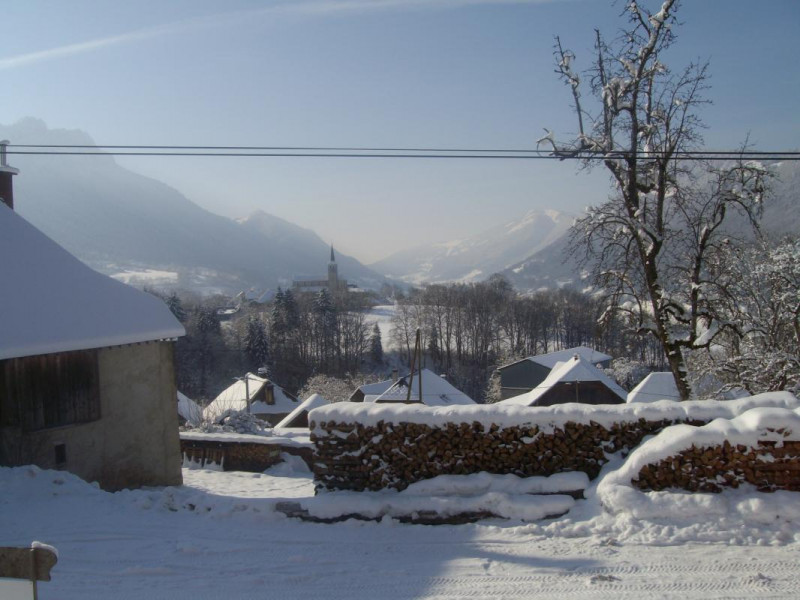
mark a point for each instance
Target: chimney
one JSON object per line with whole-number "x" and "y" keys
{"x": 6, "y": 172}
{"x": 395, "y": 374}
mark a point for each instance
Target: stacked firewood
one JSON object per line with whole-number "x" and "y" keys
{"x": 232, "y": 456}
{"x": 768, "y": 466}
{"x": 354, "y": 456}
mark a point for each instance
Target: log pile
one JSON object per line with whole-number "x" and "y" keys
{"x": 233, "y": 456}
{"x": 767, "y": 466}
{"x": 354, "y": 456}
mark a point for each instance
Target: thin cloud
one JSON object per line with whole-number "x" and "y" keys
{"x": 312, "y": 8}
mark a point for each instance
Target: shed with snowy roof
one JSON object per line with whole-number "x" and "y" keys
{"x": 268, "y": 401}
{"x": 298, "y": 418}
{"x": 524, "y": 375}
{"x": 189, "y": 411}
{"x": 369, "y": 392}
{"x": 574, "y": 380}
{"x": 436, "y": 391}
{"x": 655, "y": 387}
{"x": 87, "y": 378}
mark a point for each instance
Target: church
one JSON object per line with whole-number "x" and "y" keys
{"x": 333, "y": 283}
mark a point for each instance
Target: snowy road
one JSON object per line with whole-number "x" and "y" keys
{"x": 219, "y": 537}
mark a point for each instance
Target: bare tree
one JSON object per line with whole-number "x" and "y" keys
{"x": 650, "y": 245}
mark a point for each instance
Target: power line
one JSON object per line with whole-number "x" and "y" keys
{"x": 375, "y": 152}
{"x": 371, "y": 149}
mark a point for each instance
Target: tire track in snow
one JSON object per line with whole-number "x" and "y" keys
{"x": 777, "y": 579}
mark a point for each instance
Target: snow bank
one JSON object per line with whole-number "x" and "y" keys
{"x": 546, "y": 418}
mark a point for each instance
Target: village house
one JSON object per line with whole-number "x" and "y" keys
{"x": 524, "y": 375}
{"x": 298, "y": 418}
{"x": 369, "y": 392}
{"x": 189, "y": 411}
{"x": 87, "y": 379}
{"x": 436, "y": 391}
{"x": 655, "y": 387}
{"x": 267, "y": 401}
{"x": 574, "y": 380}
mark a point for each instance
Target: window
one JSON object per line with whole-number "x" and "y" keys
{"x": 51, "y": 390}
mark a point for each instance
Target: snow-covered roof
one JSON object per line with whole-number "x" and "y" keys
{"x": 436, "y": 391}
{"x": 550, "y": 359}
{"x": 655, "y": 387}
{"x": 233, "y": 398}
{"x": 372, "y": 391}
{"x": 575, "y": 369}
{"x": 52, "y": 302}
{"x": 189, "y": 410}
{"x": 310, "y": 403}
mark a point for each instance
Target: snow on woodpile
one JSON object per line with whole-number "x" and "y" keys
{"x": 655, "y": 387}
{"x": 506, "y": 496}
{"x": 52, "y": 302}
{"x": 372, "y": 447}
{"x": 546, "y": 418}
{"x": 283, "y": 437}
{"x": 758, "y": 450}
{"x": 400, "y": 505}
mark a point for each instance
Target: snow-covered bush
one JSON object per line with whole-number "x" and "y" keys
{"x": 627, "y": 373}
{"x": 232, "y": 421}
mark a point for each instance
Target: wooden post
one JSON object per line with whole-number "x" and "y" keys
{"x": 411, "y": 375}
{"x": 419, "y": 366}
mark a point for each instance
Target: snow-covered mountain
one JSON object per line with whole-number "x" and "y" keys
{"x": 552, "y": 266}
{"x": 479, "y": 256}
{"x": 548, "y": 268}
{"x": 126, "y": 224}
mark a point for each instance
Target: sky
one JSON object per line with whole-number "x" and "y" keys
{"x": 364, "y": 73}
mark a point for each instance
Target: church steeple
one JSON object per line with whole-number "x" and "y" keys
{"x": 333, "y": 273}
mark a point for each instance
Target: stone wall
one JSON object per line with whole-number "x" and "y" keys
{"x": 361, "y": 457}
{"x": 769, "y": 466}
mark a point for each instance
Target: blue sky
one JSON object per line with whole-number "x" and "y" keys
{"x": 420, "y": 73}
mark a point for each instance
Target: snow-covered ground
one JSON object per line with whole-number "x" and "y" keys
{"x": 218, "y": 536}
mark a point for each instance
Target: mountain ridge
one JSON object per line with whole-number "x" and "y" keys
{"x": 478, "y": 256}
{"x": 117, "y": 220}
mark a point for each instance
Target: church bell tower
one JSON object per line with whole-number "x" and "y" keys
{"x": 333, "y": 273}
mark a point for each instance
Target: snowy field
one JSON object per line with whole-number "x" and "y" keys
{"x": 219, "y": 536}
{"x": 382, "y": 315}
